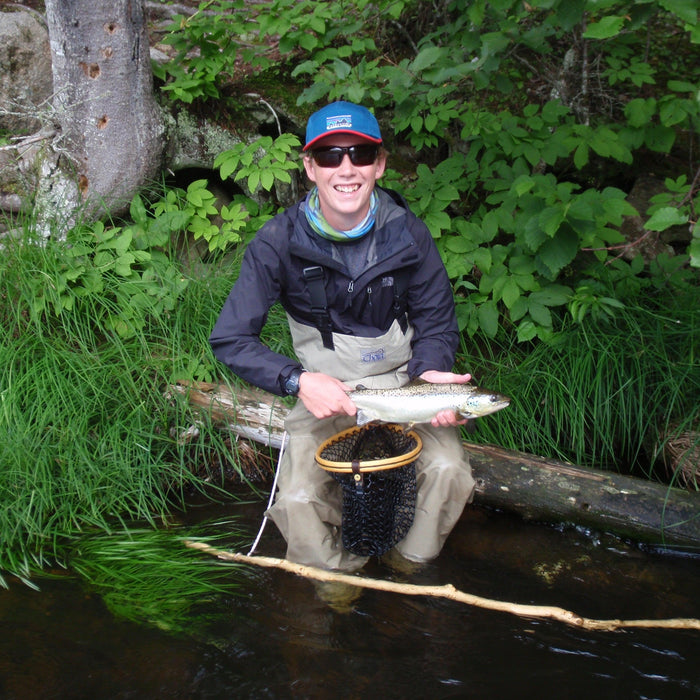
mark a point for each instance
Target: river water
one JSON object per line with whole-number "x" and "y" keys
{"x": 280, "y": 640}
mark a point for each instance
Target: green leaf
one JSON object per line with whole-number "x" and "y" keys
{"x": 138, "y": 210}
{"x": 254, "y": 180}
{"x": 510, "y": 292}
{"x": 687, "y": 10}
{"x": 267, "y": 179}
{"x": 552, "y": 295}
{"x": 227, "y": 165}
{"x": 681, "y": 86}
{"x": 639, "y": 112}
{"x": 426, "y": 58}
{"x": 559, "y": 251}
{"x": 540, "y": 314}
{"x": 523, "y": 185}
{"x": 122, "y": 242}
{"x": 487, "y": 314}
{"x": 569, "y": 13}
{"x": 606, "y": 28}
{"x": 437, "y": 222}
{"x": 317, "y": 24}
{"x": 103, "y": 260}
{"x": 660, "y": 138}
{"x": 489, "y": 226}
{"x": 551, "y": 219}
{"x": 122, "y": 266}
{"x": 665, "y": 218}
{"x": 483, "y": 259}
{"x": 519, "y": 309}
{"x": 526, "y": 331}
{"x": 458, "y": 244}
{"x": 342, "y": 68}
{"x": 446, "y": 193}
{"x": 306, "y": 41}
{"x": 431, "y": 121}
{"x": 672, "y": 112}
{"x": 195, "y": 198}
{"x": 581, "y": 156}
{"x": 694, "y": 251}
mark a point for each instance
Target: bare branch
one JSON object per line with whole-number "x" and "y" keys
{"x": 533, "y": 612}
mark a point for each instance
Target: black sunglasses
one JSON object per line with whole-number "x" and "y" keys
{"x": 332, "y": 156}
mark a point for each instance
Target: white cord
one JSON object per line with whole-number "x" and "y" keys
{"x": 272, "y": 494}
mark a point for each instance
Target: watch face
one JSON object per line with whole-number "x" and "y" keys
{"x": 291, "y": 386}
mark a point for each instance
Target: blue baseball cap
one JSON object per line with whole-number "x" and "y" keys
{"x": 342, "y": 118}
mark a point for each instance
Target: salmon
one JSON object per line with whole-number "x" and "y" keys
{"x": 419, "y": 402}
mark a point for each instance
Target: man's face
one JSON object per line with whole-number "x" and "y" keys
{"x": 344, "y": 192}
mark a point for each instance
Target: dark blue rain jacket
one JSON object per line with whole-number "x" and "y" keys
{"x": 272, "y": 270}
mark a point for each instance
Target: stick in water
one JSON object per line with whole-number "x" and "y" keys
{"x": 447, "y": 591}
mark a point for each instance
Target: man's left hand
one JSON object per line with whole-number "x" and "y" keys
{"x": 448, "y": 417}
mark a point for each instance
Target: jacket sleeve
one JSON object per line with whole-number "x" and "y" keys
{"x": 431, "y": 309}
{"x": 235, "y": 338}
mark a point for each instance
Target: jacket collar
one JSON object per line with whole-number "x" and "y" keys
{"x": 391, "y": 235}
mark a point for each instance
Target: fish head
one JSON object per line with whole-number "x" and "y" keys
{"x": 482, "y": 402}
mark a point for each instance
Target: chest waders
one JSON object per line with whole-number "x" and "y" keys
{"x": 308, "y": 506}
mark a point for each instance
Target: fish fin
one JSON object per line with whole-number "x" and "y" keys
{"x": 360, "y": 387}
{"x": 363, "y": 418}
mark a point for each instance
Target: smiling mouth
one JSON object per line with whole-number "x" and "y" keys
{"x": 347, "y": 189}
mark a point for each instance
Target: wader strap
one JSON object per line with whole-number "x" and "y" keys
{"x": 319, "y": 304}
{"x": 314, "y": 278}
{"x": 400, "y": 303}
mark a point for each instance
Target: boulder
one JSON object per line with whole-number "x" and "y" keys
{"x": 649, "y": 244}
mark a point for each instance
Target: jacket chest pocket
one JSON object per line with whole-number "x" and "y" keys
{"x": 381, "y": 302}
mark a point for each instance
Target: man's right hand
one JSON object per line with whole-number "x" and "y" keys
{"x": 325, "y": 396}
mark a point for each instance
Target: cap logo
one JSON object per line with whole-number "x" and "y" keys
{"x": 343, "y": 121}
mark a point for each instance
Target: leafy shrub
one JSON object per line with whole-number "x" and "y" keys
{"x": 520, "y": 120}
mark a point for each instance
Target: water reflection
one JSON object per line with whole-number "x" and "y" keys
{"x": 279, "y": 640}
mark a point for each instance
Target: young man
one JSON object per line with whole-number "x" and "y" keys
{"x": 368, "y": 302}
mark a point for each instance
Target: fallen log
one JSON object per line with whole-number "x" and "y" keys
{"x": 533, "y": 487}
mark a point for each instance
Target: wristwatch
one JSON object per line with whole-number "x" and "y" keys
{"x": 291, "y": 383}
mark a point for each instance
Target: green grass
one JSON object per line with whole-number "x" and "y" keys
{"x": 88, "y": 431}
{"x": 90, "y": 436}
{"x": 151, "y": 577}
{"x": 604, "y": 394}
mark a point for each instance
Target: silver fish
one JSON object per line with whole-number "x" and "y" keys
{"x": 419, "y": 402}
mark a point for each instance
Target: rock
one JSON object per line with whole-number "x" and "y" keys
{"x": 648, "y": 244}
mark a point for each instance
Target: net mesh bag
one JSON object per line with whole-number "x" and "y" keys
{"x": 375, "y": 467}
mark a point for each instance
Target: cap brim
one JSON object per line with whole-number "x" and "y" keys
{"x": 335, "y": 132}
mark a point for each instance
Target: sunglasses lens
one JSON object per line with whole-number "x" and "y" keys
{"x": 332, "y": 157}
{"x": 329, "y": 157}
{"x": 365, "y": 154}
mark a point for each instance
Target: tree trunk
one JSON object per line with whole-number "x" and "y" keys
{"x": 532, "y": 487}
{"x": 103, "y": 94}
